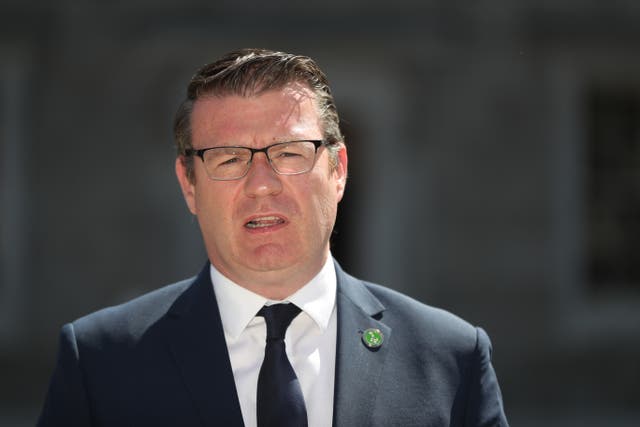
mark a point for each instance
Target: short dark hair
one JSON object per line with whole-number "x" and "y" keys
{"x": 250, "y": 72}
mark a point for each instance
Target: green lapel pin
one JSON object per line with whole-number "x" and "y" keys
{"x": 372, "y": 338}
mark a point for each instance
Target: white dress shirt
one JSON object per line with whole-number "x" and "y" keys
{"x": 310, "y": 341}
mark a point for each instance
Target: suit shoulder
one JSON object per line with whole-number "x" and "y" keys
{"x": 431, "y": 323}
{"x": 133, "y": 317}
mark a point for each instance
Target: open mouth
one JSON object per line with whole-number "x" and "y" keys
{"x": 263, "y": 222}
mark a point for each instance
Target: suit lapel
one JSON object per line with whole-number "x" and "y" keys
{"x": 197, "y": 343}
{"x": 358, "y": 368}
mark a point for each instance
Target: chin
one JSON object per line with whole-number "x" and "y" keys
{"x": 273, "y": 257}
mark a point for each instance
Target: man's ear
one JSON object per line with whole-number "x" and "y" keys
{"x": 340, "y": 171}
{"x": 188, "y": 187}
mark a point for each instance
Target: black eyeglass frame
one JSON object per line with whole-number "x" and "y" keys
{"x": 316, "y": 142}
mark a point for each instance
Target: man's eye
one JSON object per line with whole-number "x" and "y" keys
{"x": 229, "y": 161}
{"x": 288, "y": 154}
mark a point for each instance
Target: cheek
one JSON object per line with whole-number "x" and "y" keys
{"x": 214, "y": 207}
{"x": 328, "y": 209}
{"x": 325, "y": 207}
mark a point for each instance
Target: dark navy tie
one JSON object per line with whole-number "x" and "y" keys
{"x": 280, "y": 401}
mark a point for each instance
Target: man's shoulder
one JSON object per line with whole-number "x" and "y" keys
{"x": 135, "y": 316}
{"x": 403, "y": 304}
{"x": 395, "y": 306}
{"x": 424, "y": 323}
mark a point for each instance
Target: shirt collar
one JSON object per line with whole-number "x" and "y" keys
{"x": 238, "y": 306}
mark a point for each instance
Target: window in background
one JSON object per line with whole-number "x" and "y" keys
{"x": 12, "y": 195}
{"x": 613, "y": 189}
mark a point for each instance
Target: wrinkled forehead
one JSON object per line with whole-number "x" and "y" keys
{"x": 290, "y": 97}
{"x": 285, "y": 113}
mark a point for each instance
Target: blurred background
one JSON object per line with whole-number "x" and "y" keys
{"x": 494, "y": 171}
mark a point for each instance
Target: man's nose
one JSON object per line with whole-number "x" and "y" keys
{"x": 261, "y": 179}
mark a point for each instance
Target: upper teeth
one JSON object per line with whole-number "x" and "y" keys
{"x": 263, "y": 221}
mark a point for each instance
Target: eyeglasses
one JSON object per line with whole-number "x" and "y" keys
{"x": 285, "y": 158}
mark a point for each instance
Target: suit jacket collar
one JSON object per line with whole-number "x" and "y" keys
{"x": 358, "y": 368}
{"x": 197, "y": 343}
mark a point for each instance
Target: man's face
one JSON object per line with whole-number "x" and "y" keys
{"x": 296, "y": 213}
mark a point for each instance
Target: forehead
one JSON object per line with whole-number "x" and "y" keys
{"x": 287, "y": 113}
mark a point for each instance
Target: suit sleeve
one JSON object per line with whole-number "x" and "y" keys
{"x": 66, "y": 403}
{"x": 484, "y": 407}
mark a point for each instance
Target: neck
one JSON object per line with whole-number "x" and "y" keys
{"x": 274, "y": 284}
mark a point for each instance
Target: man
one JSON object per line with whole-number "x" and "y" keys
{"x": 262, "y": 165}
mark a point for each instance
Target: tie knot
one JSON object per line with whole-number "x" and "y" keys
{"x": 278, "y": 318}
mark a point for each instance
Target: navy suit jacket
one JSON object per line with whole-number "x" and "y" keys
{"x": 161, "y": 360}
